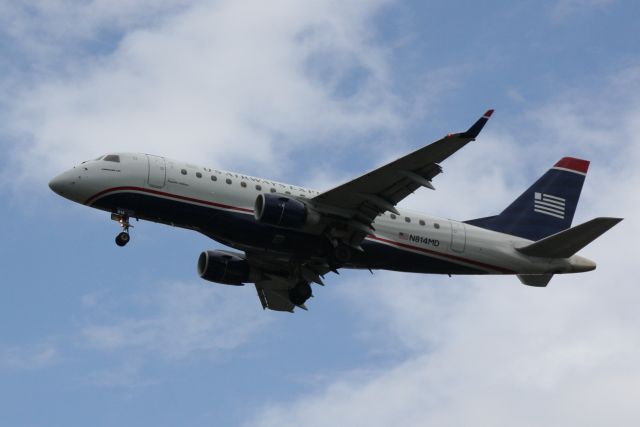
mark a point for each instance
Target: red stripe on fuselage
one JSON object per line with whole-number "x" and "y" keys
{"x": 452, "y": 257}
{"x": 162, "y": 193}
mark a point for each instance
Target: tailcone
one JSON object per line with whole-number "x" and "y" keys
{"x": 581, "y": 264}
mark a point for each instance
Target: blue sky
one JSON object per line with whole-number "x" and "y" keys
{"x": 313, "y": 93}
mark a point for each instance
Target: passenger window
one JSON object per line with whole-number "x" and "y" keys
{"x": 198, "y": 174}
{"x": 422, "y": 222}
{"x": 183, "y": 171}
{"x": 243, "y": 184}
{"x": 112, "y": 158}
{"x": 407, "y": 219}
{"x": 259, "y": 187}
{"x": 273, "y": 190}
{"x": 214, "y": 178}
{"x": 393, "y": 216}
{"x": 436, "y": 225}
{"x": 228, "y": 181}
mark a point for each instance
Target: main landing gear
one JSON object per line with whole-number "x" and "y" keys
{"x": 123, "y": 237}
{"x": 300, "y": 293}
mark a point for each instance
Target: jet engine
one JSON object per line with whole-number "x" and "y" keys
{"x": 224, "y": 267}
{"x": 283, "y": 211}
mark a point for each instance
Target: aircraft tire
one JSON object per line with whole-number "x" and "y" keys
{"x": 122, "y": 239}
{"x": 300, "y": 293}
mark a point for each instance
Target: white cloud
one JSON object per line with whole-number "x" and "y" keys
{"x": 225, "y": 83}
{"x": 167, "y": 323}
{"x": 564, "y": 9}
{"x": 487, "y": 350}
{"x": 29, "y": 357}
{"x": 50, "y": 25}
{"x": 126, "y": 375}
{"x": 176, "y": 321}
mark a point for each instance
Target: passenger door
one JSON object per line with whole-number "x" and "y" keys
{"x": 458, "y": 236}
{"x": 157, "y": 171}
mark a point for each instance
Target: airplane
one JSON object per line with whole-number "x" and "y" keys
{"x": 287, "y": 237}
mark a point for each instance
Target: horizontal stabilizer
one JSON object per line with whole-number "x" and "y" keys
{"x": 537, "y": 280}
{"x": 566, "y": 243}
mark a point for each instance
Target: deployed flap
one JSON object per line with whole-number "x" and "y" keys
{"x": 566, "y": 243}
{"x": 537, "y": 280}
{"x": 378, "y": 191}
{"x": 277, "y": 300}
{"x": 278, "y": 274}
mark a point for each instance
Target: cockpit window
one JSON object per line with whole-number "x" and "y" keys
{"x": 112, "y": 158}
{"x": 99, "y": 158}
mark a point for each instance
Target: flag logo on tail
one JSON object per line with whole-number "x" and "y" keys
{"x": 549, "y": 205}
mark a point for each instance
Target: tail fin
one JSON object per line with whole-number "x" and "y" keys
{"x": 547, "y": 207}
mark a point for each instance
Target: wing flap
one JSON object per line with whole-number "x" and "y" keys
{"x": 272, "y": 299}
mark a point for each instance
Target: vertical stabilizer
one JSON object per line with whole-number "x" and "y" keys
{"x": 547, "y": 207}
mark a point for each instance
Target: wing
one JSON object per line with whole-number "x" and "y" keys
{"x": 378, "y": 191}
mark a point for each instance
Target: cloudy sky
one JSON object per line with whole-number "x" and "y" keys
{"x": 314, "y": 93}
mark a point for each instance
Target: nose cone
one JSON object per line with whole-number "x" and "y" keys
{"x": 58, "y": 184}
{"x": 67, "y": 185}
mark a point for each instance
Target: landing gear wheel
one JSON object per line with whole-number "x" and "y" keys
{"x": 122, "y": 219}
{"x": 122, "y": 238}
{"x": 300, "y": 293}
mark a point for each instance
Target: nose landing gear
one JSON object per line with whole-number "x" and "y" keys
{"x": 123, "y": 237}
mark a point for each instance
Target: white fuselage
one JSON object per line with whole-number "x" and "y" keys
{"x": 110, "y": 185}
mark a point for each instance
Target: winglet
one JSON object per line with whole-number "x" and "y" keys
{"x": 475, "y": 129}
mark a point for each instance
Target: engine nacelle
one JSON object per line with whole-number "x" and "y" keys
{"x": 283, "y": 211}
{"x": 224, "y": 267}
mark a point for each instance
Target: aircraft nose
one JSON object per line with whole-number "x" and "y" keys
{"x": 63, "y": 184}
{"x": 72, "y": 184}
{"x": 57, "y": 184}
